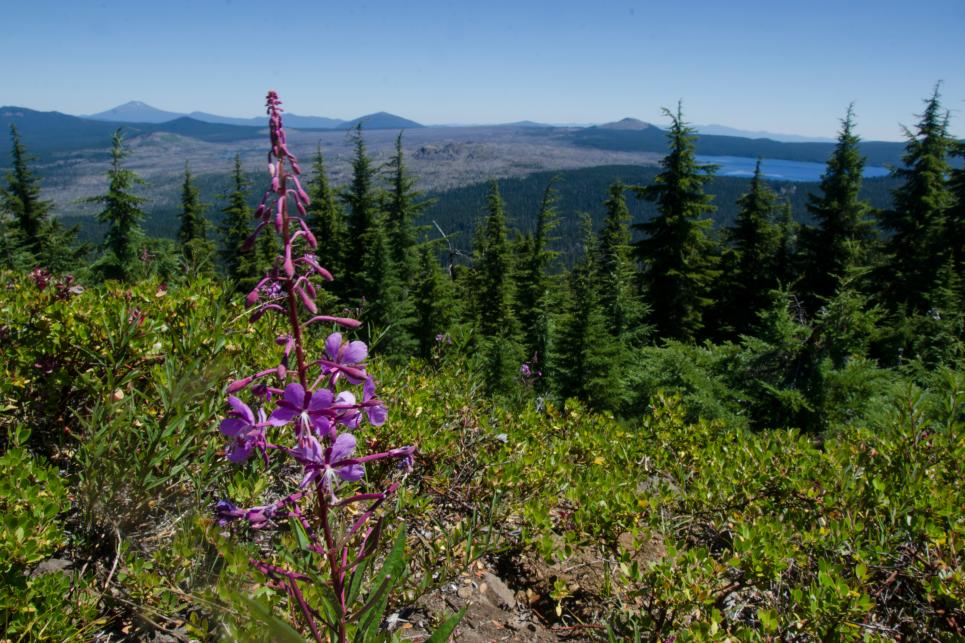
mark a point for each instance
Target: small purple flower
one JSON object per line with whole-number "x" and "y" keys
{"x": 349, "y": 353}
{"x": 346, "y": 409}
{"x": 312, "y": 262}
{"x": 310, "y": 409}
{"x": 267, "y": 288}
{"x": 525, "y": 370}
{"x": 245, "y": 431}
{"x": 329, "y": 462}
{"x": 345, "y": 358}
{"x": 374, "y": 407}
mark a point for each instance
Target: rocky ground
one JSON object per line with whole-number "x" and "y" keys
{"x": 509, "y": 597}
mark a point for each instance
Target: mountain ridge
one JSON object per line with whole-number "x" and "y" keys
{"x": 55, "y": 133}
{"x": 140, "y": 112}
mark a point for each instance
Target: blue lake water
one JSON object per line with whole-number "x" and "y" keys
{"x": 776, "y": 169}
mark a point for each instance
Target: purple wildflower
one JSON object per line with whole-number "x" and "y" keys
{"x": 307, "y": 393}
{"x": 374, "y": 407}
{"x": 328, "y": 463}
{"x": 310, "y": 409}
{"x": 345, "y": 358}
{"x": 246, "y": 432}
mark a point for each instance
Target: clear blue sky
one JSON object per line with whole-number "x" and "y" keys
{"x": 779, "y": 65}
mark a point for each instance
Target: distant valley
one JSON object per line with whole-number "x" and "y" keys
{"x": 73, "y": 152}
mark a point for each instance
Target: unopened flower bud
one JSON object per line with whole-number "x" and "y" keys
{"x": 309, "y": 303}
{"x": 237, "y": 385}
{"x": 289, "y": 266}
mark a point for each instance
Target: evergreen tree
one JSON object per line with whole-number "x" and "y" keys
{"x": 434, "y": 302}
{"x": 21, "y": 198}
{"x": 493, "y": 269}
{"x": 240, "y": 264}
{"x": 917, "y": 250}
{"x": 955, "y": 223}
{"x": 838, "y": 243}
{"x": 363, "y": 204}
{"x": 122, "y": 212}
{"x": 403, "y": 207}
{"x": 585, "y": 357}
{"x": 678, "y": 258}
{"x": 534, "y": 284}
{"x": 786, "y": 259}
{"x": 492, "y": 264}
{"x": 192, "y": 231}
{"x": 756, "y": 242}
{"x": 192, "y": 212}
{"x": 622, "y": 305}
{"x": 386, "y": 312}
{"x": 326, "y": 220}
{"x": 13, "y": 256}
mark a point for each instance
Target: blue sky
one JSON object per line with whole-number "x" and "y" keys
{"x": 782, "y": 65}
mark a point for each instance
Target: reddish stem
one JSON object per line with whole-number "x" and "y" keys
{"x": 297, "y": 593}
{"x": 335, "y": 570}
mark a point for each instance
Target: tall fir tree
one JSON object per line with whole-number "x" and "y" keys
{"x": 13, "y": 256}
{"x": 786, "y": 260}
{"x": 493, "y": 270}
{"x": 239, "y": 263}
{"x": 585, "y": 358}
{"x": 434, "y": 302}
{"x": 192, "y": 223}
{"x": 326, "y": 220}
{"x": 192, "y": 231}
{"x": 122, "y": 212}
{"x": 21, "y": 199}
{"x": 403, "y": 206}
{"x": 917, "y": 250}
{"x": 755, "y": 240}
{"x": 955, "y": 222}
{"x": 362, "y": 200}
{"x": 838, "y": 244}
{"x": 622, "y": 304}
{"x": 385, "y": 311}
{"x": 534, "y": 286}
{"x": 679, "y": 260}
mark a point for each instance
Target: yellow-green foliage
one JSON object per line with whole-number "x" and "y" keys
{"x": 856, "y": 533}
{"x": 32, "y": 606}
{"x": 766, "y": 533}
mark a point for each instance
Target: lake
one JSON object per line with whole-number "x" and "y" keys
{"x": 777, "y": 169}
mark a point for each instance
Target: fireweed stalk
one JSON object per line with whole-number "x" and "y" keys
{"x": 307, "y": 410}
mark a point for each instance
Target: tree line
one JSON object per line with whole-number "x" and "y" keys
{"x": 878, "y": 283}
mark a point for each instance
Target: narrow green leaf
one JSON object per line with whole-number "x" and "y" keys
{"x": 445, "y": 630}
{"x": 281, "y": 632}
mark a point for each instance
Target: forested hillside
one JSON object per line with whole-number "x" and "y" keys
{"x": 652, "y": 140}
{"x": 578, "y": 191}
